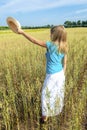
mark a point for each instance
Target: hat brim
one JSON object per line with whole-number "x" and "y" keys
{"x": 13, "y": 24}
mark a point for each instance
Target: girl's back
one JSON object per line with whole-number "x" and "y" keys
{"x": 54, "y": 58}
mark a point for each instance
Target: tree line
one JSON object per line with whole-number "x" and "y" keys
{"x": 28, "y": 27}
{"x": 78, "y": 23}
{"x": 67, "y": 24}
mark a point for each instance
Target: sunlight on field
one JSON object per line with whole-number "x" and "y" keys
{"x": 22, "y": 72}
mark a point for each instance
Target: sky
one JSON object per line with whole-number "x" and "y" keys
{"x": 43, "y": 12}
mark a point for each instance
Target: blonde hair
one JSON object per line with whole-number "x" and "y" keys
{"x": 59, "y": 34}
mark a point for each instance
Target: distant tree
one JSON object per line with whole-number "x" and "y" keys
{"x": 3, "y": 28}
{"x": 68, "y": 24}
{"x": 52, "y": 25}
{"x": 84, "y": 23}
{"x": 74, "y": 24}
{"x": 79, "y": 23}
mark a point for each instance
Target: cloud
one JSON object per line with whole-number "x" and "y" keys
{"x": 9, "y": 6}
{"x": 81, "y": 11}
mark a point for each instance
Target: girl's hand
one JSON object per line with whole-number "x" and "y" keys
{"x": 20, "y": 31}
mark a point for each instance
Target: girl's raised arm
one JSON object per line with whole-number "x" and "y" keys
{"x": 32, "y": 39}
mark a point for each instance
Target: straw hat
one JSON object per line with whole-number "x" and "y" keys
{"x": 13, "y": 24}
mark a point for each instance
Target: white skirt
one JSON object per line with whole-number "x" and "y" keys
{"x": 53, "y": 94}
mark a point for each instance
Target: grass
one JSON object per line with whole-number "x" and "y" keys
{"x": 22, "y": 72}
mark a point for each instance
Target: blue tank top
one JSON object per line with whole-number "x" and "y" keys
{"x": 53, "y": 58}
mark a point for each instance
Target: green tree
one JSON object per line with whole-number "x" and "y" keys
{"x": 79, "y": 23}
{"x": 68, "y": 24}
{"x": 84, "y": 23}
{"x": 74, "y": 24}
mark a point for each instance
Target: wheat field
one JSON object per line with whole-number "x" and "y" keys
{"x": 22, "y": 72}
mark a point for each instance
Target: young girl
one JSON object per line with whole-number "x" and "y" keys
{"x": 53, "y": 88}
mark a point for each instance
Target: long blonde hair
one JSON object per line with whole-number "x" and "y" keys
{"x": 59, "y": 34}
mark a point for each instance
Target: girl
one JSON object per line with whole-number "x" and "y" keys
{"x": 53, "y": 88}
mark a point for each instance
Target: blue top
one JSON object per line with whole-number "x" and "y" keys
{"x": 54, "y": 58}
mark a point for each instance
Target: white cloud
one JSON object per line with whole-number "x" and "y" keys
{"x": 15, "y": 6}
{"x": 81, "y": 11}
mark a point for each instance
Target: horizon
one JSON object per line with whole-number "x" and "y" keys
{"x": 43, "y": 12}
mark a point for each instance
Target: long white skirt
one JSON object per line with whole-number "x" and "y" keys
{"x": 52, "y": 98}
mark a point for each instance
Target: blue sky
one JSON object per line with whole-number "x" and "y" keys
{"x": 43, "y": 12}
